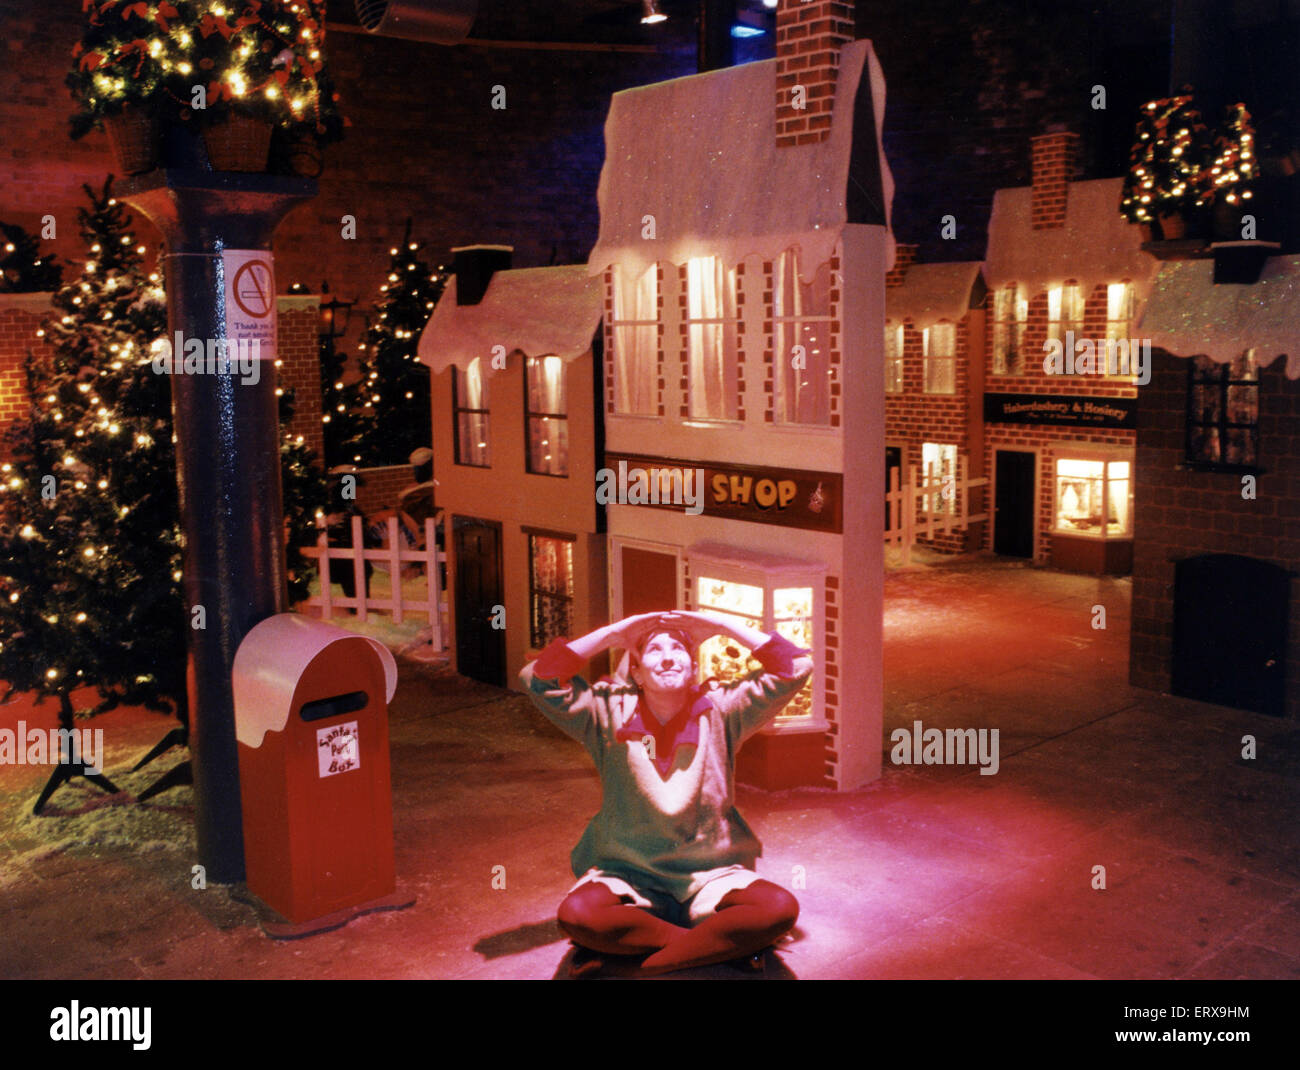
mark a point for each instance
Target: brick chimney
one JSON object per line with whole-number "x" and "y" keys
{"x": 1054, "y": 157}
{"x": 904, "y": 258}
{"x": 809, "y": 36}
{"x": 474, "y": 266}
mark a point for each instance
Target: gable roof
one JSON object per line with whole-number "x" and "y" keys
{"x": 1096, "y": 245}
{"x": 932, "y": 292}
{"x": 699, "y": 154}
{"x": 537, "y": 311}
{"x": 1189, "y": 316}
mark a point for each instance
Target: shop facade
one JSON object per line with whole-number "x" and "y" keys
{"x": 742, "y": 255}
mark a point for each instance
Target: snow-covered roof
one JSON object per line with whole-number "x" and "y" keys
{"x": 538, "y": 311}
{"x": 1188, "y": 315}
{"x": 1096, "y": 245}
{"x": 932, "y": 292}
{"x": 700, "y": 155}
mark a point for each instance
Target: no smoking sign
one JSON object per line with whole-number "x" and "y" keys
{"x": 250, "y": 299}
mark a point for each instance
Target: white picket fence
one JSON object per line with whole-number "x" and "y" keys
{"x": 907, "y": 517}
{"x": 390, "y": 558}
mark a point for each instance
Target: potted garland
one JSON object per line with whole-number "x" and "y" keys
{"x": 231, "y": 76}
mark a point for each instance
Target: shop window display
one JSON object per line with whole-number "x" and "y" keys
{"x": 1094, "y": 498}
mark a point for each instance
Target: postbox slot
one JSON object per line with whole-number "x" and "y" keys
{"x": 321, "y": 708}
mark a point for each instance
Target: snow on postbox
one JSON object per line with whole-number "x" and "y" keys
{"x": 311, "y": 721}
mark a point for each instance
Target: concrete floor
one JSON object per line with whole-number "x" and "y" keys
{"x": 932, "y": 872}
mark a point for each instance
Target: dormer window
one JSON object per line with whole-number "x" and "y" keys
{"x": 712, "y": 340}
{"x": 801, "y": 342}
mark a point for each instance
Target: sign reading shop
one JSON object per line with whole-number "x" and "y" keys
{"x": 1063, "y": 409}
{"x": 789, "y": 497}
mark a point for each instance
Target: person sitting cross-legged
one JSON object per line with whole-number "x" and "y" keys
{"x": 667, "y": 866}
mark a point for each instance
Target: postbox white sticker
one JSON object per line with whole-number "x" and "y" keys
{"x": 338, "y": 749}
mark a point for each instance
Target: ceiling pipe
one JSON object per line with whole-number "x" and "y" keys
{"x": 442, "y": 22}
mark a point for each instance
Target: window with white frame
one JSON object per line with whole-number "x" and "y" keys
{"x": 1010, "y": 314}
{"x": 893, "y": 358}
{"x": 1119, "y": 310}
{"x": 938, "y": 464}
{"x": 1064, "y": 311}
{"x": 939, "y": 348}
{"x": 547, "y": 414}
{"x": 801, "y": 337}
{"x": 712, "y": 340}
{"x": 634, "y": 330}
{"x": 469, "y": 401}
{"x": 1094, "y": 493}
{"x": 774, "y": 602}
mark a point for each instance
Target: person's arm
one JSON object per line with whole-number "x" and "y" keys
{"x": 752, "y": 702}
{"x": 550, "y": 678}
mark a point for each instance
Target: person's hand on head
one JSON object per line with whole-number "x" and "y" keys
{"x": 629, "y": 630}
{"x": 698, "y": 625}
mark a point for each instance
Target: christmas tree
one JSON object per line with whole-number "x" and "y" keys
{"x": 341, "y": 401}
{"x": 22, "y": 269}
{"x": 1167, "y": 161}
{"x": 90, "y": 537}
{"x": 1234, "y": 165}
{"x": 393, "y": 417}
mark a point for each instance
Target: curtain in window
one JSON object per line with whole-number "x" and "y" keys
{"x": 711, "y": 347}
{"x": 473, "y": 426}
{"x": 548, "y": 428}
{"x": 636, "y": 344}
{"x": 804, "y": 393}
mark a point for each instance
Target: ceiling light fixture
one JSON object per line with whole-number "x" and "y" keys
{"x": 652, "y": 14}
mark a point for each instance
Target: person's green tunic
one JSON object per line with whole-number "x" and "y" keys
{"x": 662, "y": 830}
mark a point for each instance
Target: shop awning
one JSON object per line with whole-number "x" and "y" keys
{"x": 699, "y": 154}
{"x": 536, "y": 311}
{"x": 1189, "y": 316}
{"x": 932, "y": 292}
{"x": 1096, "y": 245}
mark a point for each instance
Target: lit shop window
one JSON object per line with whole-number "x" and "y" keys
{"x": 1010, "y": 313}
{"x": 939, "y": 346}
{"x": 712, "y": 333}
{"x": 1223, "y": 413}
{"x": 1094, "y": 498}
{"x": 787, "y": 611}
{"x": 938, "y": 462}
{"x": 893, "y": 358}
{"x": 550, "y": 588}
{"x": 1064, "y": 312}
{"x": 801, "y": 316}
{"x": 470, "y": 404}
{"x": 548, "y": 424}
{"x": 634, "y": 327}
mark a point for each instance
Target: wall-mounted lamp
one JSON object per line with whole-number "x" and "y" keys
{"x": 444, "y": 22}
{"x": 651, "y": 13}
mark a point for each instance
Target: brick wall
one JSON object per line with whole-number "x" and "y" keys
{"x": 298, "y": 363}
{"x": 1182, "y": 513}
{"x": 830, "y": 669}
{"x": 20, "y": 319}
{"x": 809, "y": 36}
{"x": 1034, "y": 380}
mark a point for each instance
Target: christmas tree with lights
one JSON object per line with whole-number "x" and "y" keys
{"x": 90, "y": 536}
{"x": 1167, "y": 161}
{"x": 23, "y": 269}
{"x": 393, "y": 416}
{"x": 1234, "y": 165}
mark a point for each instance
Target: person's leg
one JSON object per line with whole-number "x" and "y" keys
{"x": 746, "y": 921}
{"x": 595, "y": 917}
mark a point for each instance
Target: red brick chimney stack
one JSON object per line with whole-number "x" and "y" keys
{"x": 1054, "y": 157}
{"x": 904, "y": 257}
{"x": 809, "y": 36}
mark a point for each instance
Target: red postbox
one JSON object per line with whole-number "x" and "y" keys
{"x": 311, "y": 720}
